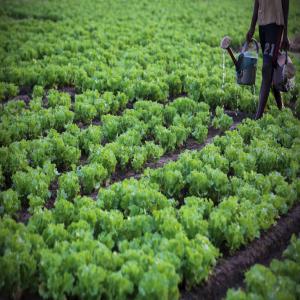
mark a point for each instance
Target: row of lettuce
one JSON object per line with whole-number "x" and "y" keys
{"x": 280, "y": 280}
{"x": 56, "y": 111}
{"x": 82, "y": 159}
{"x": 144, "y": 238}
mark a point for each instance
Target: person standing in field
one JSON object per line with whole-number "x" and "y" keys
{"x": 272, "y": 18}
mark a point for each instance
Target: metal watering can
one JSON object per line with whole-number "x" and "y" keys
{"x": 246, "y": 63}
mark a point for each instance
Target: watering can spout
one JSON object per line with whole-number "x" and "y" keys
{"x": 246, "y": 63}
{"x": 225, "y": 44}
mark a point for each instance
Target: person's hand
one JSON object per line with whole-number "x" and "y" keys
{"x": 285, "y": 44}
{"x": 250, "y": 34}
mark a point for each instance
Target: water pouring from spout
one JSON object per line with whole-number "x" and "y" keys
{"x": 225, "y": 44}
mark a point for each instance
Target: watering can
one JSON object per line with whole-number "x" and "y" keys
{"x": 246, "y": 63}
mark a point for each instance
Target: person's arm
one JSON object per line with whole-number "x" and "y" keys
{"x": 251, "y": 31}
{"x": 285, "y": 41}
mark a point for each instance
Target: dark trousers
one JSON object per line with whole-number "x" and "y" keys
{"x": 270, "y": 40}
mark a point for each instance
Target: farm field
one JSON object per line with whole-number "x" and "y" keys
{"x": 130, "y": 163}
{"x": 281, "y": 278}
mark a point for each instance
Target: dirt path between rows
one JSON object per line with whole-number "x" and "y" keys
{"x": 229, "y": 272}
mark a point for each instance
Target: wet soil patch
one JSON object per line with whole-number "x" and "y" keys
{"x": 23, "y": 215}
{"x": 24, "y": 98}
{"x": 69, "y": 90}
{"x": 25, "y": 90}
{"x": 238, "y": 116}
{"x": 53, "y": 190}
{"x": 94, "y": 122}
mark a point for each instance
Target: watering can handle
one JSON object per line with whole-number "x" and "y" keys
{"x": 232, "y": 56}
{"x": 246, "y": 44}
{"x": 286, "y": 57}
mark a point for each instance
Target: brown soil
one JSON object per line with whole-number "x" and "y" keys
{"x": 229, "y": 272}
{"x": 24, "y": 98}
{"x": 53, "y": 189}
{"x": 25, "y": 90}
{"x": 95, "y": 122}
{"x": 172, "y": 97}
{"x": 23, "y": 215}
{"x": 238, "y": 116}
{"x": 70, "y": 90}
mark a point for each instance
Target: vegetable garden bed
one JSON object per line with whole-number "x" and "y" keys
{"x": 229, "y": 272}
{"x": 119, "y": 176}
{"x": 190, "y": 144}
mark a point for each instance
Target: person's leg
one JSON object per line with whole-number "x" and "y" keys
{"x": 276, "y": 93}
{"x": 277, "y": 97}
{"x": 270, "y": 37}
{"x": 267, "y": 75}
{"x": 263, "y": 90}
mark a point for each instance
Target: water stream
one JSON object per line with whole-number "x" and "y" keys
{"x": 237, "y": 102}
{"x": 224, "y": 69}
{"x": 254, "y": 93}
